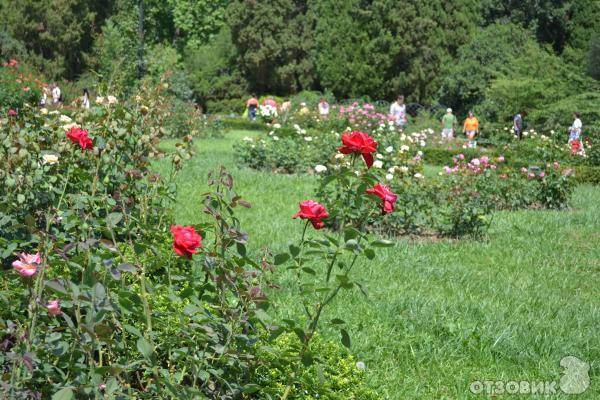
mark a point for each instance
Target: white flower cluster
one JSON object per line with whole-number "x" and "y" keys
{"x": 267, "y": 111}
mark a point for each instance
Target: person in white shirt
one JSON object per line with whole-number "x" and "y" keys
{"x": 44, "y": 98}
{"x": 55, "y": 94}
{"x": 398, "y": 112}
{"x": 85, "y": 101}
{"x": 323, "y": 109}
{"x": 575, "y": 133}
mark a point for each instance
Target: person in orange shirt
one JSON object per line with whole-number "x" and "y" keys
{"x": 471, "y": 129}
{"x": 252, "y": 106}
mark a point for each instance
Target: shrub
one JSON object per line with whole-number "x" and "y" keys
{"x": 335, "y": 376}
{"x": 17, "y": 87}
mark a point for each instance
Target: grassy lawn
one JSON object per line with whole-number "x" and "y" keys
{"x": 441, "y": 314}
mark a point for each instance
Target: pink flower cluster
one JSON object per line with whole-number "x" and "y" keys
{"x": 474, "y": 167}
{"x": 363, "y": 117}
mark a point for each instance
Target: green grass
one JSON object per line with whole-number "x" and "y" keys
{"x": 441, "y": 314}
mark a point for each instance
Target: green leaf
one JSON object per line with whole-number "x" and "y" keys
{"x": 63, "y": 394}
{"x": 294, "y": 250}
{"x": 337, "y": 321}
{"x": 309, "y": 270}
{"x": 56, "y": 286}
{"x": 382, "y": 243}
{"x": 241, "y": 249}
{"x": 350, "y": 233}
{"x": 281, "y": 258}
{"x": 113, "y": 219}
{"x": 308, "y": 359}
{"x": 345, "y": 338}
{"x": 352, "y": 244}
{"x": 370, "y": 254}
{"x": 126, "y": 267}
{"x": 145, "y": 348}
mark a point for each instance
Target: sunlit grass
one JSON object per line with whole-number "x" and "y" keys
{"x": 441, "y": 314}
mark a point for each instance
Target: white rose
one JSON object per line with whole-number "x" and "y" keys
{"x": 389, "y": 177}
{"x": 65, "y": 119}
{"x": 392, "y": 169}
{"x": 275, "y": 138}
{"x": 308, "y": 138}
{"x": 320, "y": 168}
{"x": 247, "y": 139}
{"x": 404, "y": 168}
{"x": 389, "y": 149}
{"x": 50, "y": 159}
{"x": 378, "y": 164}
{"x": 379, "y": 156}
{"x": 339, "y": 156}
{"x": 99, "y": 99}
{"x": 404, "y": 148}
{"x": 419, "y": 176}
{"x": 277, "y": 126}
{"x": 111, "y": 99}
{"x": 44, "y": 111}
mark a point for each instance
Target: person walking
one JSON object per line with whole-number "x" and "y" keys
{"x": 85, "y": 100}
{"x": 518, "y": 124}
{"x": 252, "y": 106}
{"x": 56, "y": 94}
{"x": 575, "y": 133}
{"x": 398, "y": 112}
{"x": 448, "y": 125}
{"x": 323, "y": 109}
{"x": 44, "y": 98}
{"x": 471, "y": 129}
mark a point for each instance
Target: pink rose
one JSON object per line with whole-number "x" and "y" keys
{"x": 386, "y": 195}
{"x": 27, "y": 264}
{"x": 53, "y": 307}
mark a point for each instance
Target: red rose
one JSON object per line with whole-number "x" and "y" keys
{"x": 359, "y": 143}
{"x": 386, "y": 195}
{"x": 12, "y": 113}
{"x": 312, "y": 211}
{"x": 13, "y": 63}
{"x": 78, "y": 135}
{"x": 185, "y": 240}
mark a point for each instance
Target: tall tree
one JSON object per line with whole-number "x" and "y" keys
{"x": 61, "y": 31}
{"x": 273, "y": 43}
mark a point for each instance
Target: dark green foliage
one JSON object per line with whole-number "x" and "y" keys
{"x": 273, "y": 43}
{"x": 593, "y": 61}
{"x": 549, "y": 20}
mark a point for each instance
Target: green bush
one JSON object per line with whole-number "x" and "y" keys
{"x": 17, "y": 88}
{"x": 587, "y": 174}
{"x": 334, "y": 376}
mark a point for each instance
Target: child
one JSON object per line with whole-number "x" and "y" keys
{"x": 575, "y": 133}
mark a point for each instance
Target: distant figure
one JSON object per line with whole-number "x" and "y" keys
{"x": 575, "y": 133}
{"x": 252, "y": 106}
{"x": 518, "y": 124}
{"x": 85, "y": 100}
{"x": 56, "y": 94}
{"x": 286, "y": 106}
{"x": 270, "y": 102}
{"x": 471, "y": 129}
{"x": 448, "y": 125}
{"x": 44, "y": 98}
{"x": 323, "y": 109}
{"x": 303, "y": 109}
{"x": 398, "y": 112}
